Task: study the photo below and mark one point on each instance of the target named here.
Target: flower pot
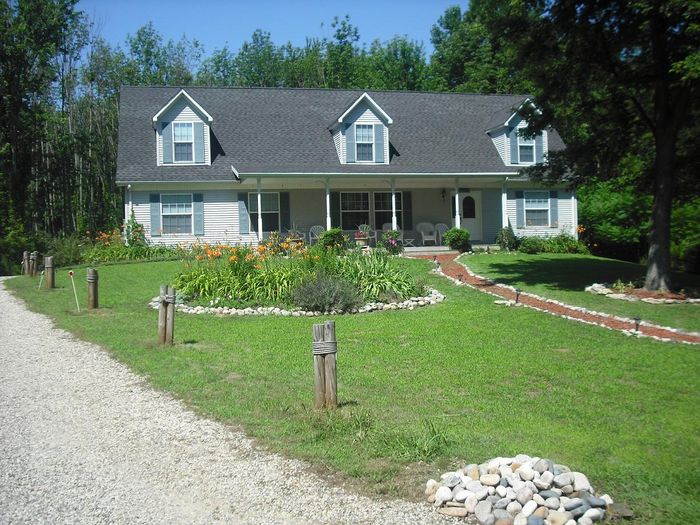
(361, 241)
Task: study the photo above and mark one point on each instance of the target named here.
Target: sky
(216, 23)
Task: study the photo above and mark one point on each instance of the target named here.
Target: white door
(470, 210)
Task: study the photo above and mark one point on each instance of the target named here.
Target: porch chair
(441, 228)
(386, 227)
(315, 233)
(369, 232)
(427, 232)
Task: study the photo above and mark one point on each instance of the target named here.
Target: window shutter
(167, 136)
(198, 213)
(554, 209)
(519, 209)
(335, 209)
(243, 218)
(539, 152)
(513, 138)
(285, 215)
(379, 143)
(350, 144)
(156, 228)
(199, 142)
(407, 210)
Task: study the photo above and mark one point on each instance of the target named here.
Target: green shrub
(376, 276)
(531, 245)
(564, 243)
(324, 293)
(67, 250)
(458, 239)
(506, 239)
(391, 242)
(334, 239)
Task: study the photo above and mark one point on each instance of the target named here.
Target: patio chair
(369, 232)
(386, 227)
(441, 228)
(427, 232)
(315, 233)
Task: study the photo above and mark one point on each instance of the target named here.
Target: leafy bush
(325, 293)
(334, 239)
(531, 245)
(457, 239)
(506, 239)
(685, 236)
(67, 250)
(101, 253)
(391, 242)
(564, 243)
(376, 276)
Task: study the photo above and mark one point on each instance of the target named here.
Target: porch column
(260, 226)
(328, 205)
(574, 214)
(394, 222)
(458, 220)
(504, 203)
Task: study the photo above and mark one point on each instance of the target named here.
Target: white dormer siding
(501, 142)
(338, 142)
(181, 111)
(512, 143)
(362, 114)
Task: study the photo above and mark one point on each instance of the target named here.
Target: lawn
(564, 277)
(421, 391)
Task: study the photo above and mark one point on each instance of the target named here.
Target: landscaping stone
(483, 513)
(558, 518)
(535, 520)
(520, 519)
(538, 499)
(552, 503)
(514, 508)
(442, 495)
(504, 521)
(581, 482)
(461, 495)
(455, 512)
(541, 512)
(566, 478)
(529, 508)
(573, 503)
(490, 480)
(526, 473)
(500, 514)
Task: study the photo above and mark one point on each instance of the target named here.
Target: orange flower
(233, 258)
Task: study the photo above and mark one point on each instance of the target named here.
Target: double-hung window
(354, 209)
(526, 150)
(270, 203)
(183, 141)
(364, 142)
(176, 213)
(536, 208)
(382, 209)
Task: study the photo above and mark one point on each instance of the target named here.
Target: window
(270, 211)
(183, 141)
(526, 150)
(364, 142)
(176, 213)
(382, 209)
(536, 208)
(354, 210)
(468, 207)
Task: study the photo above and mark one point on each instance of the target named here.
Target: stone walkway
(458, 271)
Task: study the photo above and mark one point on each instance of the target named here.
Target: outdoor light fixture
(517, 295)
(637, 321)
(443, 194)
(460, 277)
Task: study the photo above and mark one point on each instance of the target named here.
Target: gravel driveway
(84, 440)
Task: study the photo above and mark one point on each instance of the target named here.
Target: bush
(531, 245)
(564, 243)
(324, 293)
(458, 239)
(506, 239)
(391, 242)
(67, 250)
(334, 239)
(376, 276)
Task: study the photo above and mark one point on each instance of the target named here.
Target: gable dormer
(361, 133)
(514, 148)
(182, 129)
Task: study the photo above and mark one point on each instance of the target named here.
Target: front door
(471, 214)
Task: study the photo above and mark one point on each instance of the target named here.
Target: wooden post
(32, 263)
(170, 319)
(162, 314)
(324, 348)
(25, 262)
(92, 280)
(50, 276)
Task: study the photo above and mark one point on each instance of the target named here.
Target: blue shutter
(243, 218)
(407, 210)
(167, 135)
(198, 213)
(199, 142)
(513, 138)
(335, 209)
(554, 209)
(539, 151)
(379, 143)
(519, 209)
(350, 143)
(154, 199)
(285, 215)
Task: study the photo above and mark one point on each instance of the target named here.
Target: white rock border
(603, 289)
(433, 297)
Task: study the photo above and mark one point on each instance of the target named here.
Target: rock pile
(522, 490)
(602, 289)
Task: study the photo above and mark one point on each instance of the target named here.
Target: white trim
(574, 214)
(374, 153)
(504, 204)
(250, 211)
(395, 209)
(372, 103)
(369, 207)
(191, 214)
(190, 99)
(526, 142)
(191, 124)
(517, 111)
(549, 209)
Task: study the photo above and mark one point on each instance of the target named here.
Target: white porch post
(504, 203)
(260, 226)
(328, 205)
(574, 214)
(458, 220)
(394, 222)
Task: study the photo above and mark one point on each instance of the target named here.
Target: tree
(619, 80)
(397, 64)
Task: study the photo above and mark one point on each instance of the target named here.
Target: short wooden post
(162, 314)
(25, 262)
(50, 275)
(166, 315)
(170, 321)
(324, 349)
(92, 281)
(32, 263)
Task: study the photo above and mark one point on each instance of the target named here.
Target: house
(233, 164)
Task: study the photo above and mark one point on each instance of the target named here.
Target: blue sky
(217, 22)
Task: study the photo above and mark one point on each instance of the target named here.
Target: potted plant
(361, 238)
(294, 236)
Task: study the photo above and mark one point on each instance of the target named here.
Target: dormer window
(526, 150)
(183, 141)
(364, 141)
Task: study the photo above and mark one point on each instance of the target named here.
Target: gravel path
(84, 440)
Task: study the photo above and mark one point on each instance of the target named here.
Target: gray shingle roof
(269, 130)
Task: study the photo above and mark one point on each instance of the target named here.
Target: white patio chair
(427, 232)
(441, 228)
(315, 233)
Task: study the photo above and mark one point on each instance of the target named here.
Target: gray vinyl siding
(182, 112)
(363, 114)
(566, 216)
(491, 214)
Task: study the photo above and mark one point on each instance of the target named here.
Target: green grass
(564, 277)
(421, 391)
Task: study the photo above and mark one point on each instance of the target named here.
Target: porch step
(429, 250)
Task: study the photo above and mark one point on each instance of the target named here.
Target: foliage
(458, 239)
(391, 242)
(67, 250)
(685, 236)
(375, 275)
(134, 232)
(109, 246)
(564, 243)
(325, 293)
(531, 245)
(334, 239)
(506, 239)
